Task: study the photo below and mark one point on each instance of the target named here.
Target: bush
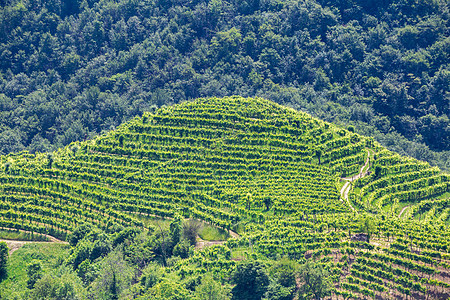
(251, 281)
(3, 259)
(190, 231)
(182, 249)
(34, 272)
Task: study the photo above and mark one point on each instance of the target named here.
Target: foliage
(182, 249)
(284, 271)
(276, 291)
(251, 280)
(314, 281)
(78, 234)
(167, 289)
(190, 231)
(65, 285)
(175, 229)
(367, 226)
(3, 259)
(150, 276)
(34, 272)
(71, 70)
(93, 245)
(50, 256)
(209, 289)
(112, 276)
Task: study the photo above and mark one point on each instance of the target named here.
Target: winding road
(401, 212)
(347, 186)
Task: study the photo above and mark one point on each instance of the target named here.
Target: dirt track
(14, 245)
(403, 210)
(202, 243)
(347, 186)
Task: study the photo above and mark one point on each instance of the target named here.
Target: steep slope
(247, 161)
(216, 160)
(220, 160)
(70, 68)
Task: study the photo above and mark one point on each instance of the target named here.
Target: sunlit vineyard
(273, 174)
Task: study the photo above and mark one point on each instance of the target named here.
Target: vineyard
(270, 173)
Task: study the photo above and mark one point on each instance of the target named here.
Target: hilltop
(71, 69)
(287, 183)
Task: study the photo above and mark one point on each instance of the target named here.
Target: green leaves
(3, 259)
(314, 281)
(251, 281)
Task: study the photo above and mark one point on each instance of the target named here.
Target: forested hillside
(72, 69)
(293, 196)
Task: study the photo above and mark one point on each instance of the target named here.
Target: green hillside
(73, 68)
(287, 183)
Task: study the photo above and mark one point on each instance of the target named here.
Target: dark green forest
(70, 69)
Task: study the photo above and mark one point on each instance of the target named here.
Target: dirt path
(202, 243)
(344, 193)
(361, 173)
(234, 234)
(345, 190)
(404, 208)
(14, 245)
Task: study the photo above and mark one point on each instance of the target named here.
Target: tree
(275, 291)
(3, 259)
(100, 243)
(78, 234)
(113, 289)
(168, 289)
(151, 275)
(284, 272)
(251, 281)
(93, 245)
(209, 289)
(267, 202)
(113, 276)
(319, 153)
(121, 138)
(182, 249)
(377, 171)
(128, 233)
(248, 200)
(160, 244)
(60, 284)
(190, 231)
(367, 226)
(175, 229)
(49, 160)
(315, 282)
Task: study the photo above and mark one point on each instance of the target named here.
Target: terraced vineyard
(249, 165)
